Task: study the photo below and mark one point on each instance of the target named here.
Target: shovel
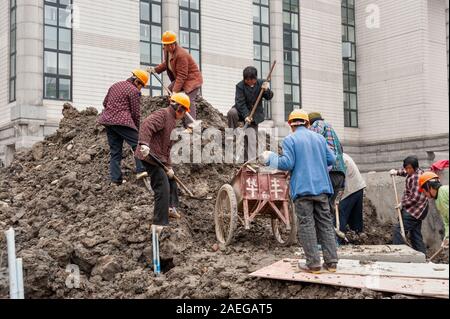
(338, 225)
(179, 182)
(441, 249)
(400, 219)
(194, 123)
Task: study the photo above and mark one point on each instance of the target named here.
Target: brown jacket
(155, 133)
(186, 75)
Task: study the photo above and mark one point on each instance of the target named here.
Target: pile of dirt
(69, 220)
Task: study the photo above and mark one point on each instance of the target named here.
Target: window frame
(267, 105)
(58, 51)
(153, 84)
(348, 7)
(189, 29)
(12, 78)
(289, 106)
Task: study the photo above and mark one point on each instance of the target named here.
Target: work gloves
(248, 120)
(170, 173)
(151, 69)
(398, 206)
(264, 157)
(393, 172)
(145, 150)
(265, 86)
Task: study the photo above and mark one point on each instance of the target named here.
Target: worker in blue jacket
(307, 157)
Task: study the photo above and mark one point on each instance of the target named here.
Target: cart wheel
(225, 214)
(282, 235)
(147, 184)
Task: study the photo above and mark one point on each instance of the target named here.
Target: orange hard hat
(298, 114)
(182, 99)
(425, 177)
(169, 37)
(141, 75)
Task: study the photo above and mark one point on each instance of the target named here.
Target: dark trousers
(250, 148)
(165, 193)
(316, 226)
(351, 212)
(116, 135)
(413, 230)
(338, 183)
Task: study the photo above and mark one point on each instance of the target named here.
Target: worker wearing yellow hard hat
(121, 117)
(182, 70)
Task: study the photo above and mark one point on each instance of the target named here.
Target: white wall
(395, 61)
(4, 62)
(227, 48)
(321, 60)
(105, 50)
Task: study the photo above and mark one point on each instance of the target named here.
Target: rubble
(66, 215)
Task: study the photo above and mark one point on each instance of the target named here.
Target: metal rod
(19, 272)
(13, 288)
(155, 242)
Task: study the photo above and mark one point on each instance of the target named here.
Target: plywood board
(284, 270)
(388, 253)
(411, 270)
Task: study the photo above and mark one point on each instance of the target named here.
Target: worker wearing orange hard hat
(121, 117)
(183, 71)
(430, 185)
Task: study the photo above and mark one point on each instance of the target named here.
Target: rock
(68, 179)
(215, 247)
(84, 158)
(69, 147)
(18, 197)
(54, 182)
(70, 135)
(107, 267)
(38, 151)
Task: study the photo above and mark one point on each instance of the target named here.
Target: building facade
(377, 70)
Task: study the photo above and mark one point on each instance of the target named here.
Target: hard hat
(425, 177)
(182, 99)
(141, 75)
(314, 116)
(169, 37)
(298, 114)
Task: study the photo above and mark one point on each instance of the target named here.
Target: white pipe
(13, 289)
(19, 272)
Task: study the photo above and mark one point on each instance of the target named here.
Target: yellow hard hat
(298, 114)
(182, 99)
(169, 37)
(141, 75)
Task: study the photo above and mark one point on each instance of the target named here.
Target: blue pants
(116, 135)
(351, 212)
(413, 228)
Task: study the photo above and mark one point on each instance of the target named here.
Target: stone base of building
(385, 155)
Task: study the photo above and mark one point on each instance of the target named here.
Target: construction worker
(351, 204)
(307, 157)
(430, 185)
(337, 172)
(183, 71)
(121, 117)
(247, 92)
(154, 141)
(414, 204)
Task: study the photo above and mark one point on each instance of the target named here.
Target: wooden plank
(283, 270)
(356, 267)
(387, 253)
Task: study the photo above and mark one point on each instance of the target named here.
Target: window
(12, 50)
(349, 64)
(189, 37)
(261, 43)
(291, 44)
(151, 47)
(58, 50)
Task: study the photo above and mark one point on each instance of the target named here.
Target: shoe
(330, 267)
(311, 270)
(141, 175)
(174, 214)
(118, 183)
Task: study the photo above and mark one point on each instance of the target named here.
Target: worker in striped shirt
(414, 205)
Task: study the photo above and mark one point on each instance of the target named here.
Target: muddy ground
(66, 215)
